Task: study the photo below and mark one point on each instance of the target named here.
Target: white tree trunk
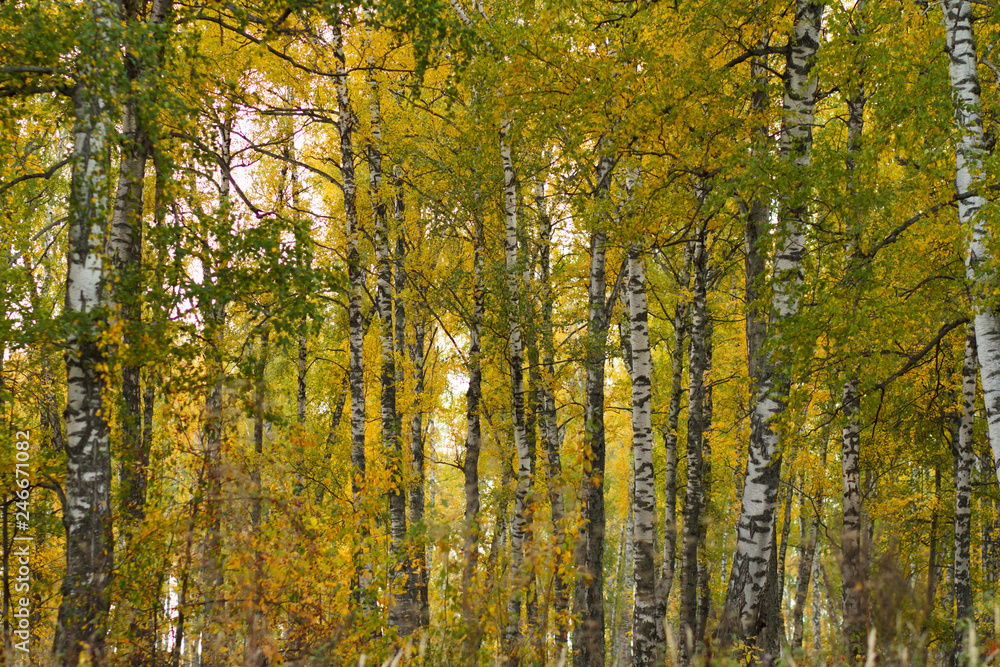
(670, 437)
(521, 525)
(965, 456)
(756, 525)
(644, 616)
(89, 544)
(960, 44)
(355, 277)
(588, 633)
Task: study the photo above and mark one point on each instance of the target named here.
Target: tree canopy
(520, 333)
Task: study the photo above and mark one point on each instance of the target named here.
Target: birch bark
(256, 649)
(213, 615)
(704, 561)
(965, 456)
(402, 613)
(694, 498)
(520, 531)
(588, 635)
(548, 423)
(756, 525)
(807, 541)
(418, 576)
(960, 45)
(125, 251)
(355, 277)
(670, 436)
(644, 616)
(87, 518)
(473, 447)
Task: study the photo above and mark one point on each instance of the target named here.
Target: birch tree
(402, 613)
(89, 544)
(355, 277)
(964, 457)
(588, 634)
(548, 418)
(681, 326)
(960, 45)
(694, 499)
(473, 444)
(755, 528)
(851, 566)
(520, 532)
(125, 250)
(645, 634)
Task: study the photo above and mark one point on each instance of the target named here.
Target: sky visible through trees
(474, 332)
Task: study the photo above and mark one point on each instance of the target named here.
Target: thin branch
(757, 53)
(914, 358)
(44, 174)
(914, 219)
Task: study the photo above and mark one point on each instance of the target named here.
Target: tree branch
(44, 174)
(914, 358)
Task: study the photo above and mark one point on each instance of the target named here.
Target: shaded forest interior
(480, 332)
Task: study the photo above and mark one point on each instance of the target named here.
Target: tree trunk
(473, 446)
(704, 570)
(214, 612)
(89, 541)
(965, 456)
(402, 614)
(775, 634)
(419, 574)
(302, 366)
(548, 423)
(770, 381)
(736, 613)
(807, 547)
(670, 438)
(991, 522)
(520, 530)
(588, 635)
(694, 498)
(960, 44)
(256, 651)
(417, 581)
(853, 579)
(645, 636)
(817, 607)
(536, 637)
(851, 567)
(932, 556)
(125, 250)
(355, 278)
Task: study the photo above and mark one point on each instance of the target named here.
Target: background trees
(633, 290)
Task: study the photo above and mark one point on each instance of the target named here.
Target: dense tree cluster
(519, 333)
